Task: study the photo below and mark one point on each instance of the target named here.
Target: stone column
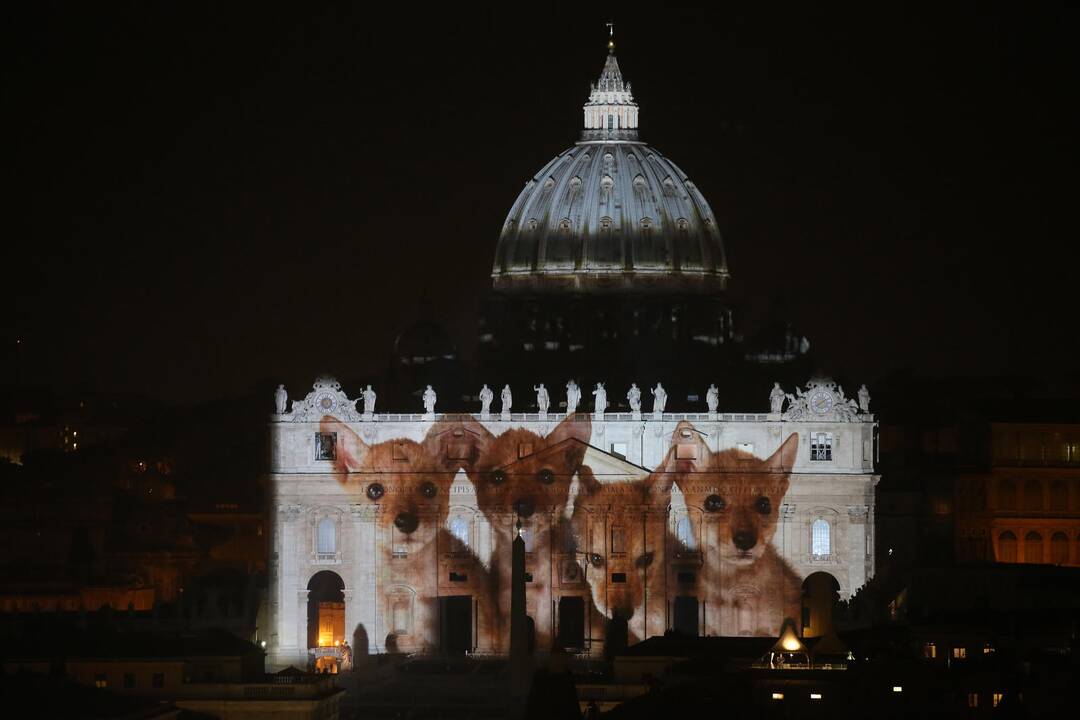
(290, 642)
(856, 547)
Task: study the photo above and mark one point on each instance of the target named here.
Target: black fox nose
(744, 540)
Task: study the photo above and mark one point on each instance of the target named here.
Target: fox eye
(645, 560)
(375, 491)
(546, 476)
(498, 477)
(428, 489)
(596, 559)
(763, 505)
(714, 503)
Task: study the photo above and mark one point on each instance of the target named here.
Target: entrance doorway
(325, 620)
(686, 615)
(456, 621)
(572, 622)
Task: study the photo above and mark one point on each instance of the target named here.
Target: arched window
(1059, 548)
(1007, 547)
(684, 531)
(1033, 495)
(327, 544)
(1006, 492)
(1033, 547)
(459, 528)
(820, 540)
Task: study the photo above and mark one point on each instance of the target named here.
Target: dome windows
(682, 224)
(605, 223)
(549, 183)
(646, 223)
(639, 182)
(606, 183)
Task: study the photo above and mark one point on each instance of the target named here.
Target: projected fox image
(523, 477)
(407, 484)
(730, 507)
(687, 546)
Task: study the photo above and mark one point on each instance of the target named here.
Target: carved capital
(857, 513)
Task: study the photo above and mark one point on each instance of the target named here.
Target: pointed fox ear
(352, 452)
(783, 460)
(572, 428)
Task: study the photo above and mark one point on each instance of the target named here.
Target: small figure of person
(712, 398)
(281, 398)
(369, 400)
(864, 399)
(776, 398)
(600, 403)
(486, 396)
(429, 401)
(573, 397)
(634, 397)
(507, 400)
(543, 400)
(659, 399)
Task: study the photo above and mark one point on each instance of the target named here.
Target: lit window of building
(820, 540)
(778, 696)
(959, 653)
(929, 651)
(327, 539)
(101, 681)
(821, 446)
(973, 700)
(459, 528)
(997, 698)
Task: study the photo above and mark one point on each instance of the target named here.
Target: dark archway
(326, 610)
(820, 593)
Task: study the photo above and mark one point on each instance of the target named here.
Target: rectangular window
(158, 680)
(618, 577)
(929, 651)
(458, 577)
(997, 698)
(686, 451)
(528, 577)
(959, 653)
(325, 446)
(973, 700)
(687, 578)
(129, 680)
(101, 681)
(821, 446)
(618, 540)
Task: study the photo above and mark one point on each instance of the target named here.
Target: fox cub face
(742, 492)
(525, 473)
(409, 482)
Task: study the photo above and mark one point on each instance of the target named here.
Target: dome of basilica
(610, 214)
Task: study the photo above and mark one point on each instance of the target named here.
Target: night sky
(208, 196)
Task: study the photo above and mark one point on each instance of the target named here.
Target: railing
(581, 416)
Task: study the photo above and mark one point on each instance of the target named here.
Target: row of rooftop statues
(777, 398)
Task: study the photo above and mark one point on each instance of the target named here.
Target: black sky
(209, 195)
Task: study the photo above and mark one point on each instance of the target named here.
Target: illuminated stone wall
(703, 522)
